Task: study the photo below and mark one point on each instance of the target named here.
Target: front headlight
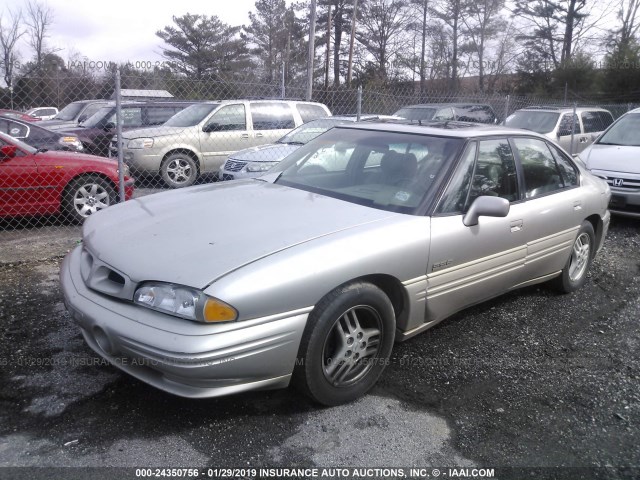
(125, 170)
(260, 166)
(71, 141)
(140, 143)
(184, 302)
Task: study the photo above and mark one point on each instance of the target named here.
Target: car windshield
(416, 113)
(625, 131)
(388, 171)
(69, 112)
(310, 130)
(540, 122)
(191, 116)
(95, 119)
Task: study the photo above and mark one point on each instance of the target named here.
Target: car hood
(66, 158)
(196, 235)
(273, 152)
(58, 124)
(613, 158)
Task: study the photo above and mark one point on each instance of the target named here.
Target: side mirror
(8, 151)
(212, 127)
(486, 206)
(81, 119)
(109, 126)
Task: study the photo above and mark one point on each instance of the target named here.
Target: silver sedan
(368, 234)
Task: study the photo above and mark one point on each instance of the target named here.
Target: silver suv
(198, 139)
(559, 123)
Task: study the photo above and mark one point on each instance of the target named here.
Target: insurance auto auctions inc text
(376, 472)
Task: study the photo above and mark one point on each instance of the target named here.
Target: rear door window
(539, 167)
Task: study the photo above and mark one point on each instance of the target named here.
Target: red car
(36, 182)
(25, 117)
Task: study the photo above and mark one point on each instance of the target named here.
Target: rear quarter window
(596, 121)
(310, 112)
(159, 115)
(272, 116)
(476, 114)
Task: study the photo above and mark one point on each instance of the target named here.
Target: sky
(123, 30)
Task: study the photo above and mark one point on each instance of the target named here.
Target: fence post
(119, 135)
(506, 110)
(359, 103)
(283, 91)
(573, 128)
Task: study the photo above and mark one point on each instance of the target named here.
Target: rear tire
(346, 344)
(179, 170)
(574, 273)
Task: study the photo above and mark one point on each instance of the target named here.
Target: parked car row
(182, 140)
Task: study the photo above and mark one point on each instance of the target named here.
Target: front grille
(234, 165)
(629, 183)
(102, 278)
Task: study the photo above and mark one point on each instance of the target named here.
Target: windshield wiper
(42, 150)
(293, 143)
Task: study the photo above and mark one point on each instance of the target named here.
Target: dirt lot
(532, 379)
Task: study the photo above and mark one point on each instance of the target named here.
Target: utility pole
(352, 40)
(422, 52)
(312, 48)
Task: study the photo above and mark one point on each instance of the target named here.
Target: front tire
(179, 170)
(574, 273)
(87, 195)
(346, 344)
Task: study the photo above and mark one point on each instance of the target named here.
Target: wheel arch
(393, 289)
(598, 225)
(184, 151)
(87, 174)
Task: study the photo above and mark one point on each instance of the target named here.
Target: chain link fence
(169, 132)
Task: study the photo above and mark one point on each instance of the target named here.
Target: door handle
(259, 135)
(577, 205)
(516, 225)
(245, 135)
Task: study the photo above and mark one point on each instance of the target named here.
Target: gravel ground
(531, 379)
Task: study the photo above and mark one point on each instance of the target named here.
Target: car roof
(440, 105)
(454, 129)
(563, 109)
(232, 100)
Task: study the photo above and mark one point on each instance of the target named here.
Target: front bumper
(625, 192)
(179, 356)
(224, 174)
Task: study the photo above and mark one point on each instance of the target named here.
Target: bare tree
(482, 23)
(451, 12)
(381, 31)
(10, 33)
(38, 19)
(628, 16)
(555, 29)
